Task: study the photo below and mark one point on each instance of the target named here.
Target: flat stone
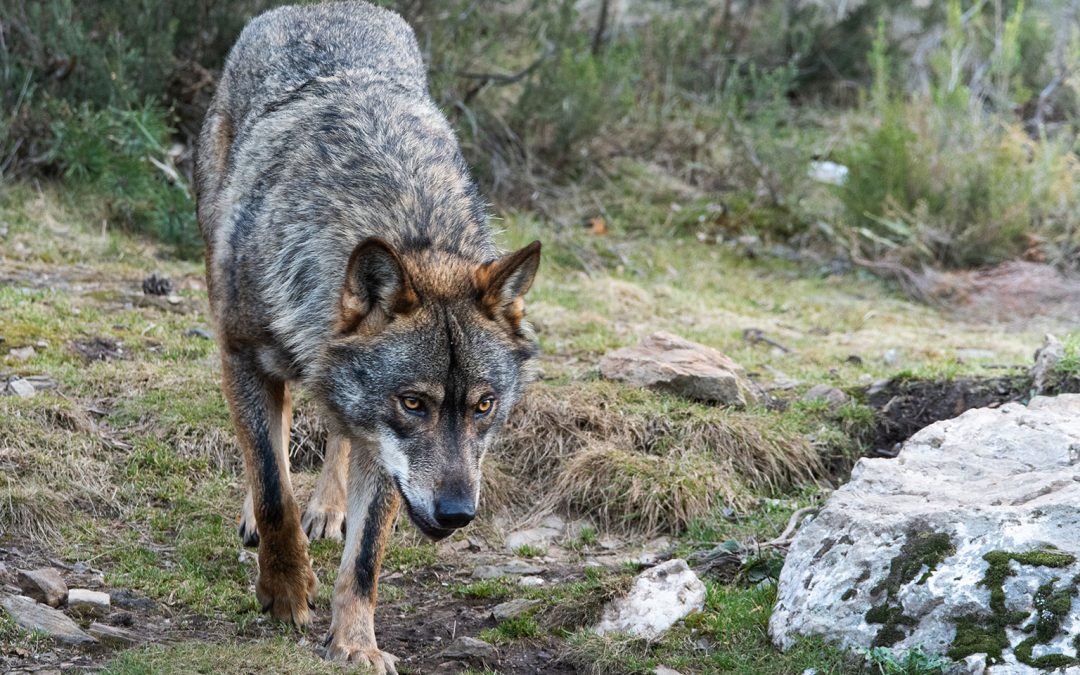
(531, 581)
(669, 363)
(31, 615)
(22, 353)
(1047, 358)
(899, 554)
(115, 636)
(823, 392)
(664, 670)
(21, 388)
(659, 598)
(43, 585)
(512, 568)
(469, 649)
(512, 609)
(84, 602)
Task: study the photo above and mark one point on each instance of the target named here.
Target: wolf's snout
(454, 512)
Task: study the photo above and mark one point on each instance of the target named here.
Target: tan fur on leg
(325, 515)
(373, 505)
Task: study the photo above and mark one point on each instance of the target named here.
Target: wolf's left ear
(503, 282)
(376, 285)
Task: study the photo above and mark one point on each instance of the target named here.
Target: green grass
(131, 465)
(277, 655)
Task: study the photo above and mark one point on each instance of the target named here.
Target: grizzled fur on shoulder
(323, 134)
(348, 251)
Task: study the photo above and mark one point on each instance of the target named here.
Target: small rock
(32, 615)
(514, 567)
(114, 636)
(1047, 358)
(974, 354)
(531, 581)
(22, 353)
(44, 585)
(670, 363)
(128, 600)
(827, 172)
(659, 597)
(890, 357)
(21, 388)
(468, 648)
(174, 299)
(199, 332)
(664, 670)
(84, 602)
(540, 537)
(157, 285)
(823, 392)
(512, 609)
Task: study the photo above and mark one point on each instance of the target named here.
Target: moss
(848, 594)
(977, 634)
(920, 550)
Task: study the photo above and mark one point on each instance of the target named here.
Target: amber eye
(484, 406)
(412, 405)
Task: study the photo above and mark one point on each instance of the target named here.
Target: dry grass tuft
(639, 461)
(626, 490)
(28, 510)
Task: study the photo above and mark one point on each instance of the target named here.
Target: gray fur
(347, 250)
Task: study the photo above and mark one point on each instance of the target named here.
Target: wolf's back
(282, 50)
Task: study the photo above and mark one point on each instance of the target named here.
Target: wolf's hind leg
(262, 413)
(325, 515)
(373, 504)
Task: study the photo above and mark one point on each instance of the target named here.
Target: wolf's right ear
(376, 285)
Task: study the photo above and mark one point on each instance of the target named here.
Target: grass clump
(276, 655)
(604, 449)
(884, 661)
(124, 154)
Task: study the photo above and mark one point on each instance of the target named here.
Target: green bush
(945, 177)
(124, 157)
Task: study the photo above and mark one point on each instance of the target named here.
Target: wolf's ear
(376, 284)
(503, 282)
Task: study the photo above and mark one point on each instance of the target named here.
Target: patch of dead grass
(639, 461)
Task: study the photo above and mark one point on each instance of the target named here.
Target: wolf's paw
(287, 589)
(319, 523)
(378, 661)
(249, 533)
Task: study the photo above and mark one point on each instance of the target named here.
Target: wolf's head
(431, 352)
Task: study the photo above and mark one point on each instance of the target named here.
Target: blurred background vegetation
(891, 135)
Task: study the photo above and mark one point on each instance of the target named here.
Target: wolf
(348, 252)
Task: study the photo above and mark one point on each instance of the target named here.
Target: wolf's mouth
(426, 527)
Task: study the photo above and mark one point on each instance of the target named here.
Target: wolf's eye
(412, 405)
(484, 406)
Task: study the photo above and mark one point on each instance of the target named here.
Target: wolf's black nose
(454, 513)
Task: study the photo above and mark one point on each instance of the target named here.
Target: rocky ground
(765, 381)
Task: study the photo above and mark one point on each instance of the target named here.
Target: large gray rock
(659, 597)
(34, 616)
(44, 585)
(966, 544)
(669, 363)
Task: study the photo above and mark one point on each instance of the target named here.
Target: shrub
(124, 155)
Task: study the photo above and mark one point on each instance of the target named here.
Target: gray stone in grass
(669, 363)
(659, 598)
(898, 555)
(84, 602)
(469, 649)
(43, 585)
(34, 616)
(511, 609)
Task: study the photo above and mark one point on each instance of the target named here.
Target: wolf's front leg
(262, 413)
(373, 504)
